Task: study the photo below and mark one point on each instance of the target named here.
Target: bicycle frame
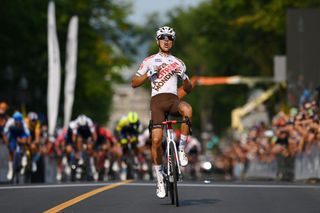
(170, 140)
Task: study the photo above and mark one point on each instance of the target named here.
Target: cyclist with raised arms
(163, 70)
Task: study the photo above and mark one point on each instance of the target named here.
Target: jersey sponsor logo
(158, 60)
(165, 74)
(167, 69)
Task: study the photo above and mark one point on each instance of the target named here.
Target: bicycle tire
(169, 184)
(175, 174)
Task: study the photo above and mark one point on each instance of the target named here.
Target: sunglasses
(163, 37)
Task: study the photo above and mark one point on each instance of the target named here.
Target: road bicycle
(171, 165)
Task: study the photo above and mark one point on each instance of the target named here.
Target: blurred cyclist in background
(84, 135)
(16, 135)
(127, 128)
(34, 126)
(127, 131)
(106, 152)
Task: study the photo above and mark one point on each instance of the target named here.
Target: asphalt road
(140, 197)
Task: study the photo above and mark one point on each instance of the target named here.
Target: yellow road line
(84, 196)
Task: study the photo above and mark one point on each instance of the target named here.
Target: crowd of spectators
(290, 134)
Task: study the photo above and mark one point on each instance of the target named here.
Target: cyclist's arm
(187, 86)
(138, 80)
(141, 75)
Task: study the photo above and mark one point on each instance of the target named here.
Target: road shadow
(195, 202)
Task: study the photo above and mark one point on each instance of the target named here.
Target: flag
(53, 92)
(71, 69)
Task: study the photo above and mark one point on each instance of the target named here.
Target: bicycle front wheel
(174, 171)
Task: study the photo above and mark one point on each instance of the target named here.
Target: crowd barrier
(302, 167)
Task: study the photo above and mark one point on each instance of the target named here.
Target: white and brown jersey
(166, 65)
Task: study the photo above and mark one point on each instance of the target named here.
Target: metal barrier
(307, 165)
(300, 167)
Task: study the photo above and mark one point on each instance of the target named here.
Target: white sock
(10, 165)
(158, 169)
(183, 141)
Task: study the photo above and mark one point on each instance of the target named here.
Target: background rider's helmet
(133, 117)
(32, 116)
(165, 30)
(17, 116)
(82, 120)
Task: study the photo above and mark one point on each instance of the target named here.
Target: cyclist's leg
(11, 148)
(156, 148)
(160, 104)
(185, 110)
(157, 154)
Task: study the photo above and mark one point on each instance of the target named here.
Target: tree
(103, 45)
(225, 38)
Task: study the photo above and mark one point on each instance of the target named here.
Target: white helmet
(33, 116)
(165, 30)
(82, 120)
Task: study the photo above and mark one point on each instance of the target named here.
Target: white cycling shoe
(183, 158)
(161, 192)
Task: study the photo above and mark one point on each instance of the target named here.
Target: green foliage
(225, 38)
(102, 45)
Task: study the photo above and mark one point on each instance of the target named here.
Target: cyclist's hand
(152, 73)
(181, 73)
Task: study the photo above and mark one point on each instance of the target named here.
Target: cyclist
(163, 70)
(105, 151)
(127, 131)
(34, 126)
(16, 133)
(128, 128)
(84, 135)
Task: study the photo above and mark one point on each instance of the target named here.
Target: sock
(183, 141)
(158, 169)
(10, 165)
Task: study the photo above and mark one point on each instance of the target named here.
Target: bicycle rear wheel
(174, 168)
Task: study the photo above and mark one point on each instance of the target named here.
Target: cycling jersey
(125, 129)
(34, 127)
(13, 132)
(85, 131)
(166, 65)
